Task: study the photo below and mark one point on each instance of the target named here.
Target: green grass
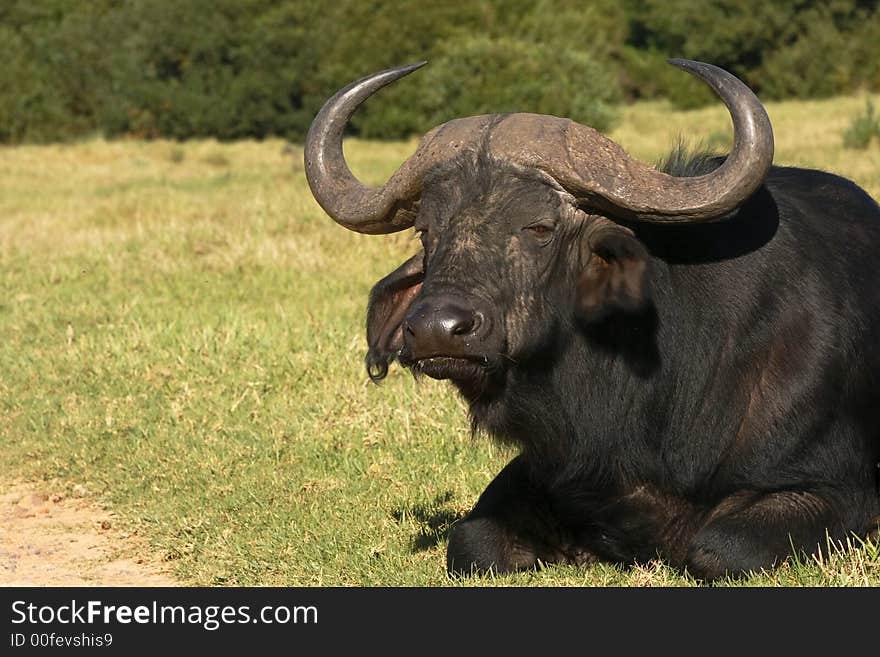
(182, 333)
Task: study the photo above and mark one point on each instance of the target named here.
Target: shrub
(481, 75)
(252, 68)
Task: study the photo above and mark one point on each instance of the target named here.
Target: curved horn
(391, 207)
(344, 197)
(641, 192)
(588, 165)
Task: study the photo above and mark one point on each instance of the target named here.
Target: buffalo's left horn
(598, 170)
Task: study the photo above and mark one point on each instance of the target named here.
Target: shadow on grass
(433, 521)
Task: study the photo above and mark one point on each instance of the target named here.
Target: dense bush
(781, 48)
(481, 75)
(252, 68)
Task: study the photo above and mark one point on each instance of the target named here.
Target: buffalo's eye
(542, 231)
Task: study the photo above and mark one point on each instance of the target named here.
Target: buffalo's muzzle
(444, 327)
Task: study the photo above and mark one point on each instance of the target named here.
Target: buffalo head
(522, 219)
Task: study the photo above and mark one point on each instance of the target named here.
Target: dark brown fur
(706, 394)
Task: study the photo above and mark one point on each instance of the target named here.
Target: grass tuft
(863, 128)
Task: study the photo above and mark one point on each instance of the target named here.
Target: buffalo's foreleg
(511, 528)
(749, 532)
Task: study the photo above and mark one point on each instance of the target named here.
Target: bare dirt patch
(49, 538)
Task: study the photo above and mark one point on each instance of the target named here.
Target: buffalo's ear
(390, 300)
(614, 277)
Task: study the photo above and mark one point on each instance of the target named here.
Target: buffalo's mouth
(448, 367)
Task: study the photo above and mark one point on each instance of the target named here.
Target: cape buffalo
(686, 359)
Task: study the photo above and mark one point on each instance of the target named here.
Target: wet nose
(440, 328)
(453, 320)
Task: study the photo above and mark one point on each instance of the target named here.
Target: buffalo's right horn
(363, 209)
(391, 207)
(601, 173)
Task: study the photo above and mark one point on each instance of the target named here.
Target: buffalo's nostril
(463, 328)
(453, 320)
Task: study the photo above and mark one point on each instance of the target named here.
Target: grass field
(182, 335)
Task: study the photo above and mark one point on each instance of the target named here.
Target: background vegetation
(233, 69)
(182, 336)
